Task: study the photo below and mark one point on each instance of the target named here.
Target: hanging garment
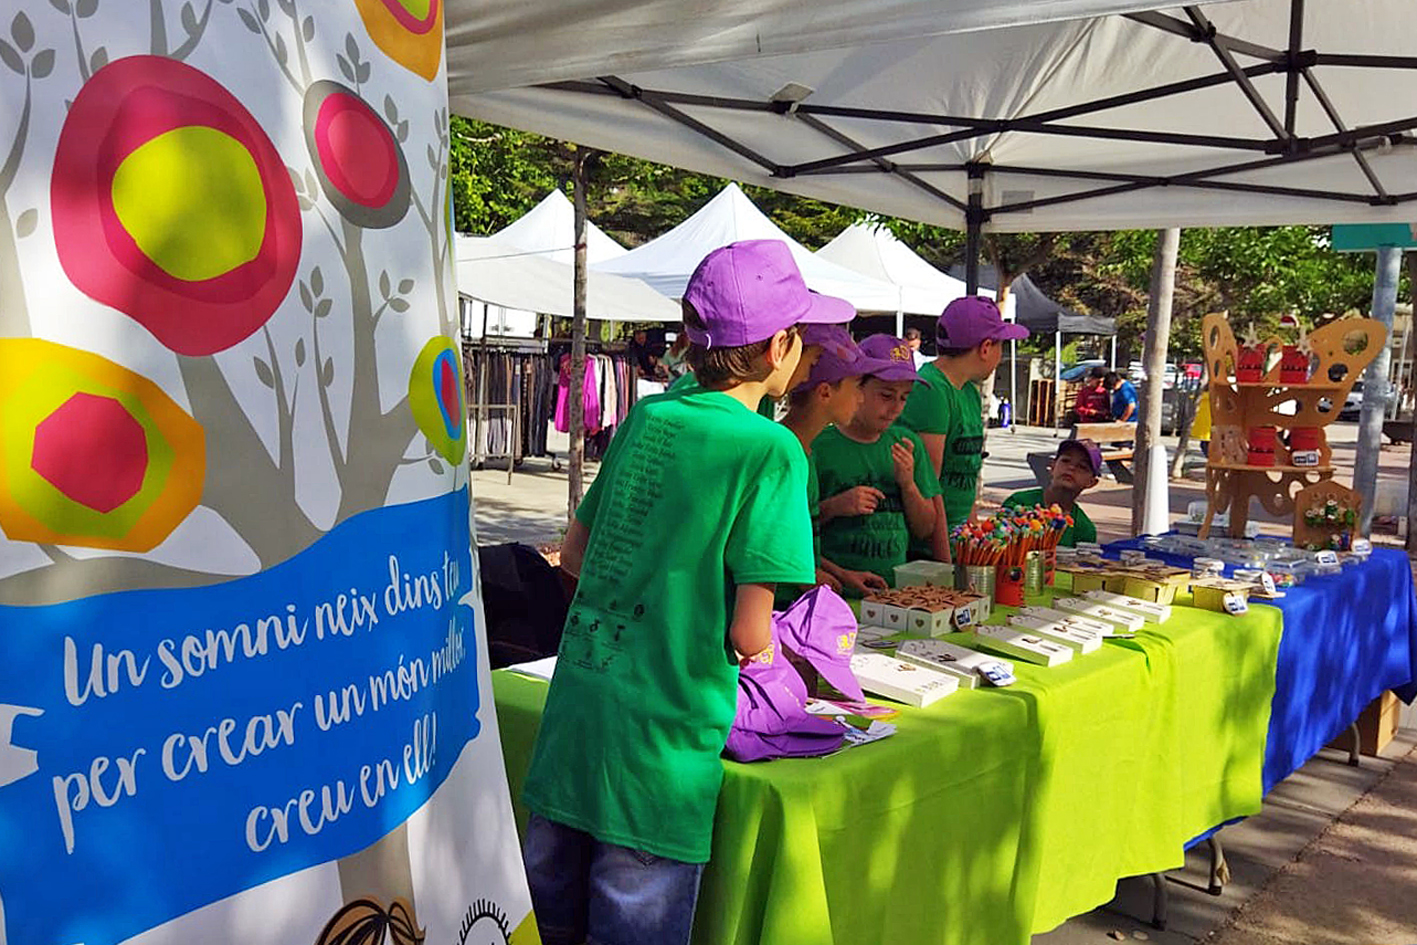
(591, 401)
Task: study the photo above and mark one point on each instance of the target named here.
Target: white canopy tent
(873, 250)
(1247, 112)
(492, 270)
(667, 262)
(549, 229)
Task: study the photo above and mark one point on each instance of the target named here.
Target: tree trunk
(1158, 334)
(577, 389)
(1375, 385)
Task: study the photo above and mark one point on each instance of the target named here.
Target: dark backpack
(524, 601)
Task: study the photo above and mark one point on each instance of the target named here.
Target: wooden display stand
(1340, 352)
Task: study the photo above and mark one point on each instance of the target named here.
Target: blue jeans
(586, 891)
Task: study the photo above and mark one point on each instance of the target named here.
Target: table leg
(1160, 900)
(1219, 869)
(1354, 755)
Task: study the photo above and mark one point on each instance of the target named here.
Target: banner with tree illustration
(243, 687)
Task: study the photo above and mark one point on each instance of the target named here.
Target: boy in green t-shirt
(874, 472)
(829, 396)
(1076, 468)
(946, 410)
(625, 775)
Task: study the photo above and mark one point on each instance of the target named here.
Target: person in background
(1124, 397)
(946, 409)
(675, 362)
(641, 357)
(1076, 467)
(830, 396)
(626, 770)
(913, 339)
(1094, 403)
(1200, 426)
(874, 473)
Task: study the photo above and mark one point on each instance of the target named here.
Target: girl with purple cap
(876, 474)
(625, 775)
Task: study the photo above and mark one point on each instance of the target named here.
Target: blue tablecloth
(1346, 638)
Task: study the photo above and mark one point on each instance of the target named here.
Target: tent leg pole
(1057, 381)
(1013, 386)
(1114, 352)
(973, 228)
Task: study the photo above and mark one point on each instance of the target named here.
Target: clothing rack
(502, 375)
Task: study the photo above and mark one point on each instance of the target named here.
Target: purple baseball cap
(840, 358)
(971, 319)
(748, 291)
(1094, 454)
(890, 358)
(820, 627)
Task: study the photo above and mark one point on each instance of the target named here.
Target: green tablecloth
(993, 814)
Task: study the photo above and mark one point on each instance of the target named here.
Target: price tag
(1362, 546)
(1235, 604)
(1327, 557)
(1267, 582)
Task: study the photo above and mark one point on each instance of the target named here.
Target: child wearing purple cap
(1075, 469)
(946, 407)
(875, 474)
(625, 774)
(829, 395)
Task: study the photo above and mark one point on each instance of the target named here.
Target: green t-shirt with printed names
(696, 495)
(1081, 529)
(937, 406)
(767, 407)
(787, 594)
(879, 541)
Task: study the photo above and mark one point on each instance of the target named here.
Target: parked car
(1353, 403)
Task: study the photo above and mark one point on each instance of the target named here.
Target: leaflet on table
(1151, 612)
(1028, 647)
(1068, 619)
(1084, 641)
(904, 682)
(537, 669)
(859, 729)
(959, 661)
(1124, 620)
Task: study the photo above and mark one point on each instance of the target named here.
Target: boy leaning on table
(1076, 467)
(696, 514)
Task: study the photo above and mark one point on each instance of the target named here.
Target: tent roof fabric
(874, 251)
(549, 228)
(1219, 114)
(667, 262)
(1034, 310)
(490, 269)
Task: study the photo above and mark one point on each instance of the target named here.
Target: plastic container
(1293, 366)
(1250, 368)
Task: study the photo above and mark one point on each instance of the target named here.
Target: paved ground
(1332, 858)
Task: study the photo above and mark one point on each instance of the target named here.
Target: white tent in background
(549, 229)
(873, 250)
(497, 272)
(667, 262)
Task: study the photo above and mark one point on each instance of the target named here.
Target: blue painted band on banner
(194, 743)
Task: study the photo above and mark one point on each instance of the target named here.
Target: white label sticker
(1267, 581)
(1235, 604)
(1328, 557)
(1362, 546)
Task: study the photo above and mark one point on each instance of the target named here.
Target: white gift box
(948, 658)
(905, 682)
(1028, 647)
(930, 623)
(1151, 612)
(924, 573)
(1067, 618)
(1121, 619)
(871, 614)
(1084, 641)
(895, 619)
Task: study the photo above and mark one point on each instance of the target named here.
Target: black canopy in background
(1040, 314)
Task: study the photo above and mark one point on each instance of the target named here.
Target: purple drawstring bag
(772, 721)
